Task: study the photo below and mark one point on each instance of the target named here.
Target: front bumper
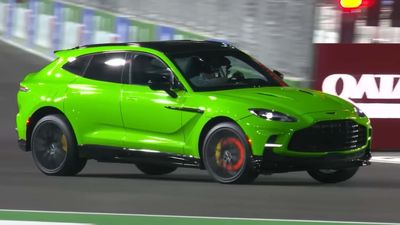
(281, 135)
(271, 162)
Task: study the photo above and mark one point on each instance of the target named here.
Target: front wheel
(226, 154)
(333, 175)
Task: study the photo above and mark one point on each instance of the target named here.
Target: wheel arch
(36, 116)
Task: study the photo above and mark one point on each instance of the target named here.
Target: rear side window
(77, 65)
(106, 67)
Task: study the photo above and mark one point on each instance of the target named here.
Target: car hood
(286, 99)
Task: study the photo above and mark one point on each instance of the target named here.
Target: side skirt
(128, 155)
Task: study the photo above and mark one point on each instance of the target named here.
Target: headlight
(359, 112)
(272, 115)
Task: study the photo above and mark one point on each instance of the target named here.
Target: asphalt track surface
(372, 195)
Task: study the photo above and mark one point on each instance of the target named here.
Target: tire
(54, 147)
(226, 155)
(152, 169)
(333, 176)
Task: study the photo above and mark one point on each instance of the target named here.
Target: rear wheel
(226, 154)
(152, 169)
(54, 147)
(333, 175)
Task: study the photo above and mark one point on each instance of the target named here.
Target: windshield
(220, 70)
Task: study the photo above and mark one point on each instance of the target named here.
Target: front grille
(325, 136)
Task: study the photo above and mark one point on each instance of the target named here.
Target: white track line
(13, 222)
(386, 159)
(198, 217)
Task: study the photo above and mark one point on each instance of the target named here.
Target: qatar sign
(368, 75)
(368, 86)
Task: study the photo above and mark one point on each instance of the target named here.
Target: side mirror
(162, 82)
(279, 74)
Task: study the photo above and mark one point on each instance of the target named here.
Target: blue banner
(122, 29)
(32, 22)
(10, 19)
(165, 33)
(88, 22)
(57, 27)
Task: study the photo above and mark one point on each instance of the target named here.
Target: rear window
(77, 65)
(106, 67)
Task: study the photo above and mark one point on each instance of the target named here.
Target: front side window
(106, 67)
(146, 68)
(220, 70)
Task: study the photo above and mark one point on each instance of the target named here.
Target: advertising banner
(165, 33)
(104, 25)
(71, 25)
(180, 35)
(56, 26)
(122, 29)
(88, 25)
(3, 16)
(10, 16)
(141, 31)
(47, 15)
(20, 19)
(33, 7)
(367, 75)
(48, 25)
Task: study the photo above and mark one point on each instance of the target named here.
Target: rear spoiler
(62, 52)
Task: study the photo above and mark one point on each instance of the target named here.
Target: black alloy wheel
(54, 147)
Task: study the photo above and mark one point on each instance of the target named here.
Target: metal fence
(278, 32)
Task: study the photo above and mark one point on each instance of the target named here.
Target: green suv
(200, 104)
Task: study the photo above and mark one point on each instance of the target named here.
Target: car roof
(168, 47)
(182, 46)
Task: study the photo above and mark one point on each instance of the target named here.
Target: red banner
(367, 75)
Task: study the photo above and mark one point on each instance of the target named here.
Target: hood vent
(307, 92)
(266, 94)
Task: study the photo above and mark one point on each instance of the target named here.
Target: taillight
(23, 88)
